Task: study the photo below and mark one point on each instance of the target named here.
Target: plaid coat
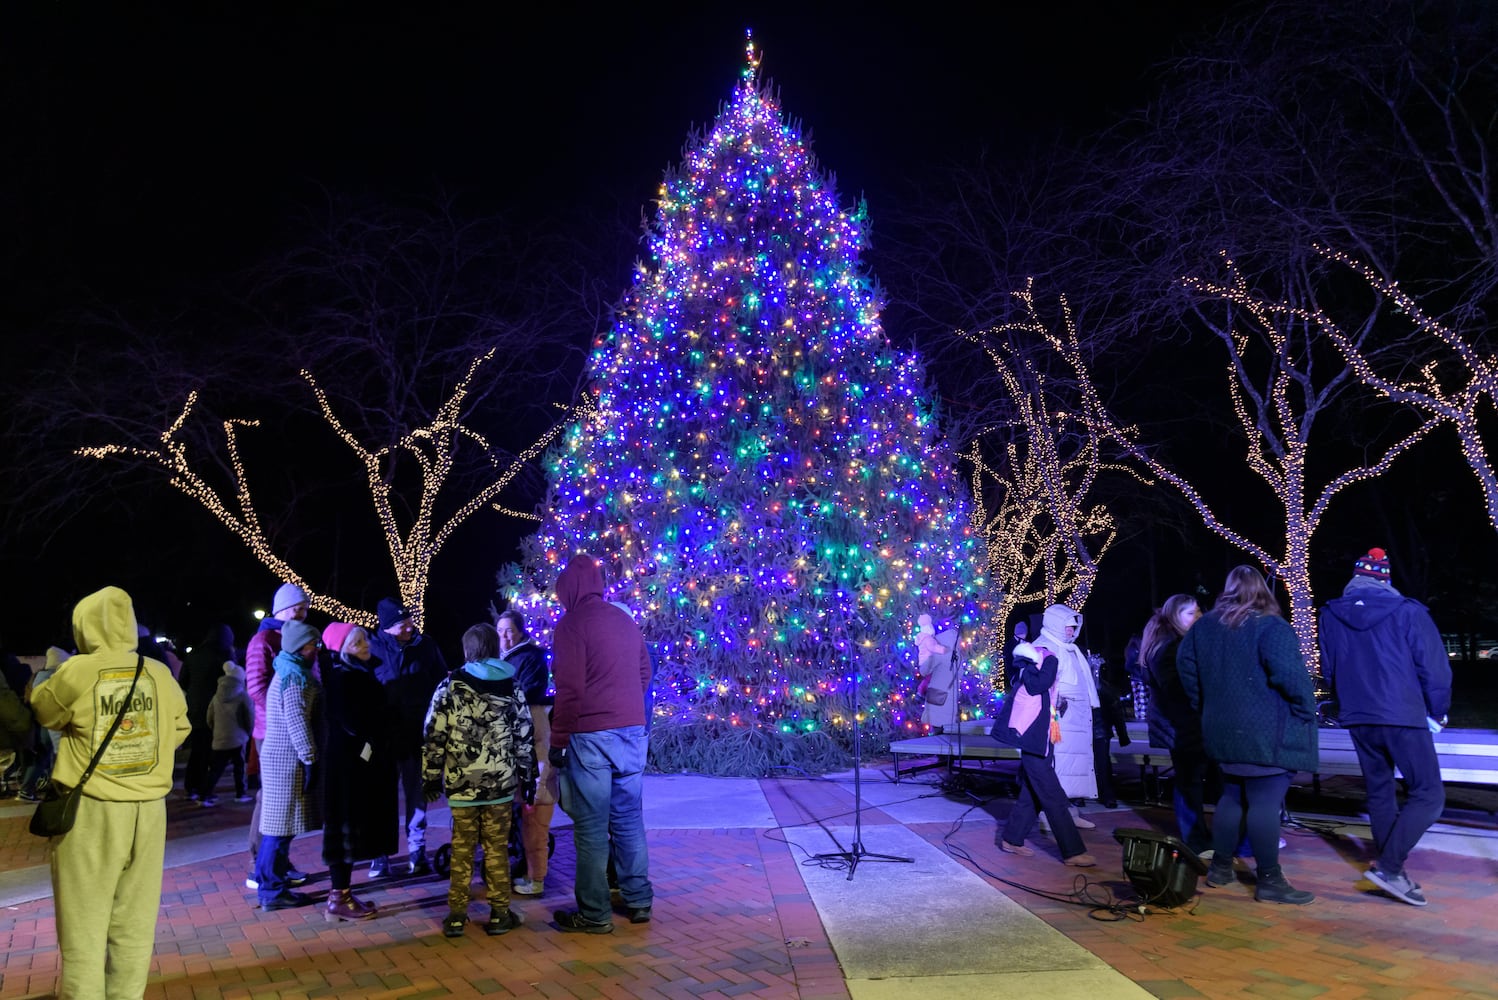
(290, 797)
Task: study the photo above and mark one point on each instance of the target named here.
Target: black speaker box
(1161, 868)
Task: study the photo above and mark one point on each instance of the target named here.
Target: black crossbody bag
(58, 809)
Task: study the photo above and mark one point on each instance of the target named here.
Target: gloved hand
(557, 756)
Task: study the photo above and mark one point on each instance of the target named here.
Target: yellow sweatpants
(106, 892)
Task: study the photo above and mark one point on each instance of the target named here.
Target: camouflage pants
(487, 827)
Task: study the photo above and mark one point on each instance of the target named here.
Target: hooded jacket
(84, 696)
(479, 745)
(600, 665)
(231, 714)
(1383, 657)
(1024, 719)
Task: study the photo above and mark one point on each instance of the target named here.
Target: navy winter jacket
(1383, 657)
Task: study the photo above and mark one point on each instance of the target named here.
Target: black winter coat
(1256, 699)
(1174, 724)
(360, 810)
(410, 674)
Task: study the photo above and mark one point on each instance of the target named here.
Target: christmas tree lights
(762, 478)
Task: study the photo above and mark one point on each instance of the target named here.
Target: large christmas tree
(763, 481)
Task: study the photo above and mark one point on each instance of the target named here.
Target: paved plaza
(745, 908)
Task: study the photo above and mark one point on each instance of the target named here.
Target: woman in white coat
(1074, 685)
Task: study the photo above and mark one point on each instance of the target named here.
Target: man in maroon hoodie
(601, 669)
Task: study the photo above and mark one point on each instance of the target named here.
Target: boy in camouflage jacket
(479, 751)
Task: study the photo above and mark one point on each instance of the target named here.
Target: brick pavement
(732, 918)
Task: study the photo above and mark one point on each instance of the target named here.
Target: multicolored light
(763, 478)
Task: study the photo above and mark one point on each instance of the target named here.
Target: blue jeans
(271, 865)
(408, 771)
(1397, 830)
(1189, 794)
(601, 790)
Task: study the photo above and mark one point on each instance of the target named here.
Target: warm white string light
(434, 448)
(1275, 417)
(1044, 541)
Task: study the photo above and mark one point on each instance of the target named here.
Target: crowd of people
(1228, 693)
(352, 733)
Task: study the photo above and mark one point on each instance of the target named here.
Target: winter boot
(1274, 889)
(1220, 873)
(343, 906)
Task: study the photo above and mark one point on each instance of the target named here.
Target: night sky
(153, 149)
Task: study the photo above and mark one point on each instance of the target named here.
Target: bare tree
(1282, 384)
(1460, 400)
(1033, 475)
(435, 449)
(439, 344)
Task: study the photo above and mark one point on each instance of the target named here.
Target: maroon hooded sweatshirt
(599, 662)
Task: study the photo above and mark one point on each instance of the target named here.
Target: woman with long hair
(1241, 668)
(1173, 723)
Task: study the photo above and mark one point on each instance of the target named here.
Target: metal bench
(1468, 756)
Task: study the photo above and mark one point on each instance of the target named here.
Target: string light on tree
(1275, 397)
(763, 478)
(1458, 404)
(434, 447)
(1031, 475)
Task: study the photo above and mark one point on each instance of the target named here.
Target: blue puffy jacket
(1383, 657)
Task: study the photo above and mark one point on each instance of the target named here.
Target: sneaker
(207, 803)
(26, 796)
(379, 868)
(244, 798)
(527, 887)
(453, 924)
(1019, 849)
(1080, 861)
(1399, 886)
(294, 877)
(1206, 855)
(250, 882)
(418, 864)
(639, 915)
(502, 923)
(571, 920)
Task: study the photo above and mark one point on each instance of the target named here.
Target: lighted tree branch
(412, 549)
(1457, 403)
(1031, 486)
(1278, 387)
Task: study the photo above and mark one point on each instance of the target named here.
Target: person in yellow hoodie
(106, 870)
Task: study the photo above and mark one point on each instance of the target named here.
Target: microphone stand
(857, 853)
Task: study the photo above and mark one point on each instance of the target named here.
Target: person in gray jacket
(1382, 655)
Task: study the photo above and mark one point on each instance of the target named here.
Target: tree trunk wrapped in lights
(1279, 382)
(763, 479)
